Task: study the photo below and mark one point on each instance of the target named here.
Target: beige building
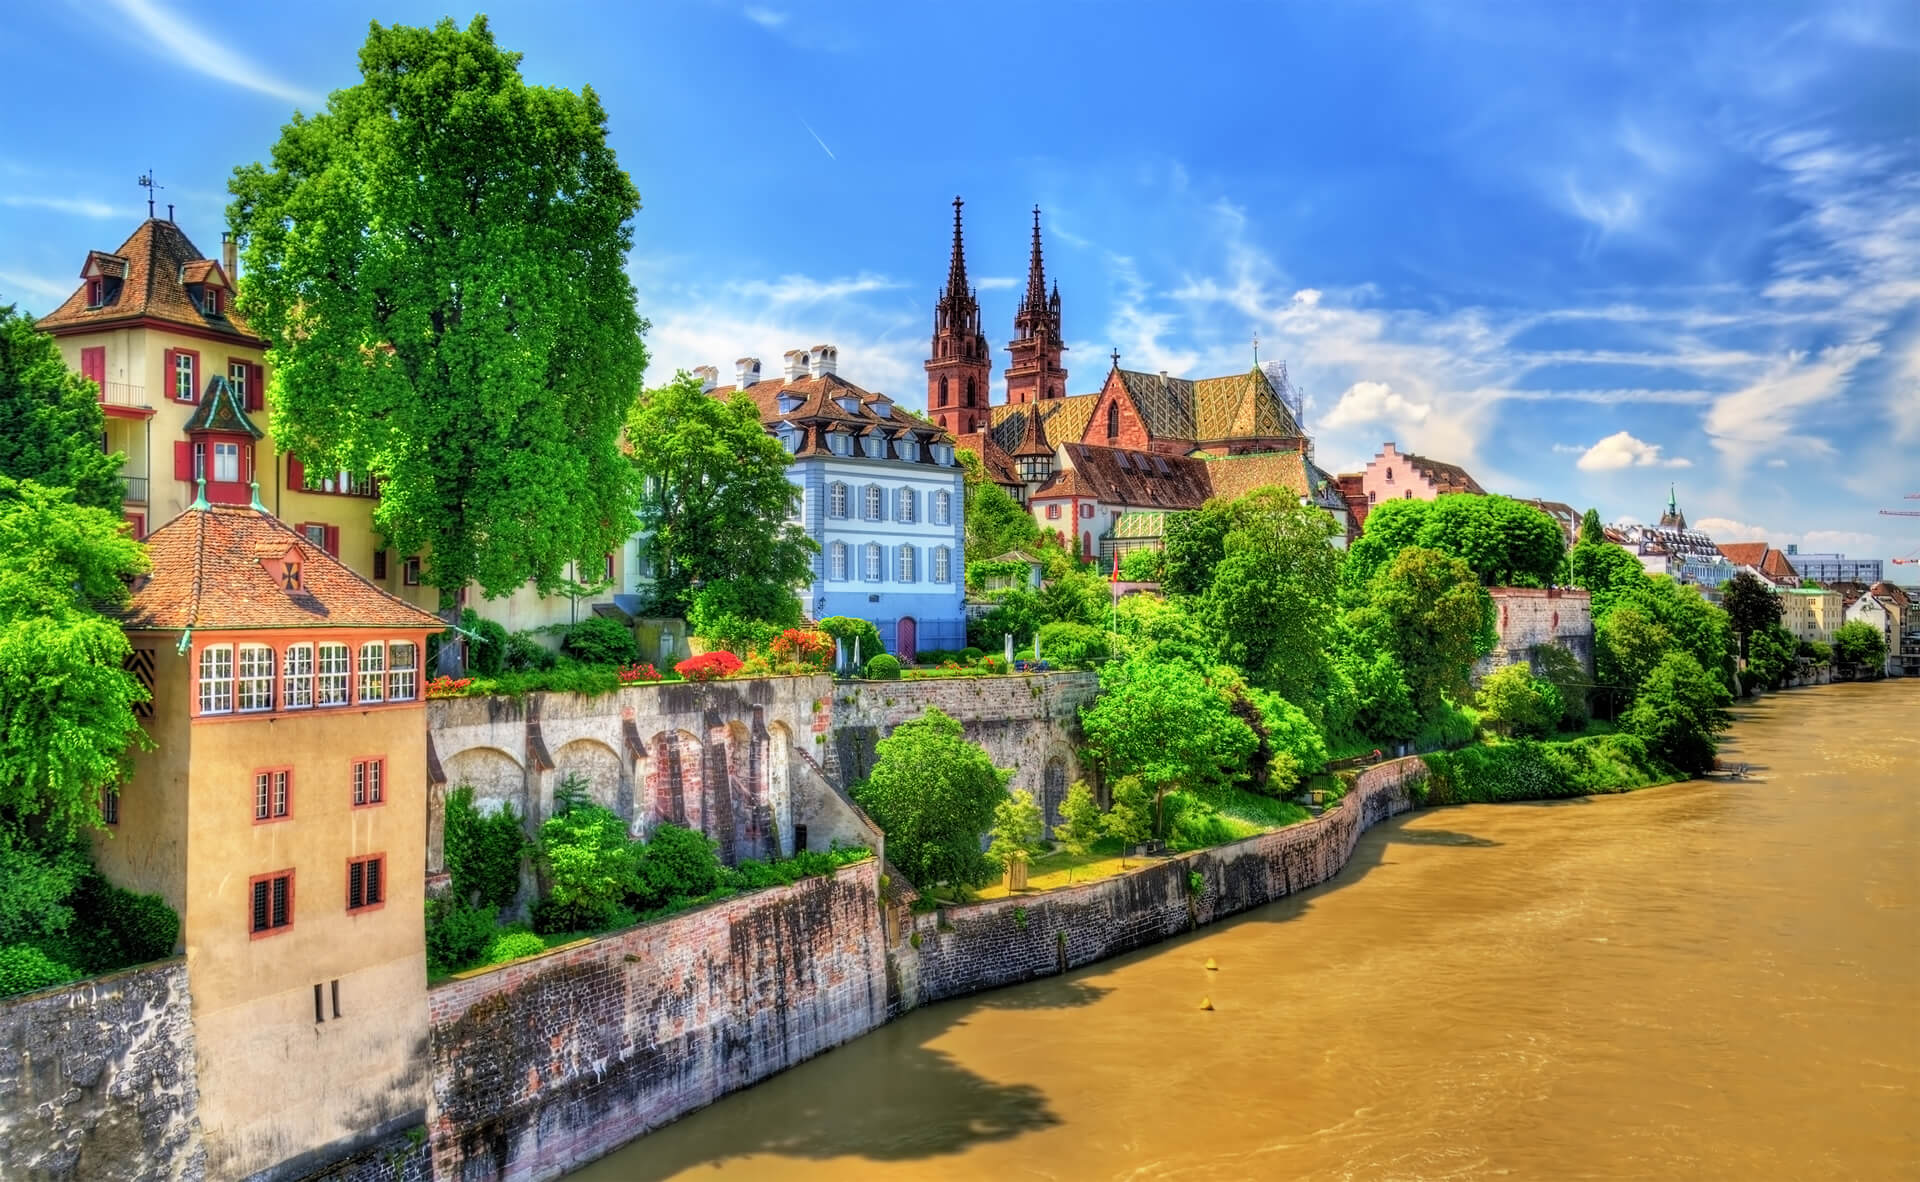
(1811, 614)
(282, 812)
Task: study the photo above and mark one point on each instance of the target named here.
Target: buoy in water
(1206, 1003)
(1212, 967)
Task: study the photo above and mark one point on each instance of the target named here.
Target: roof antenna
(200, 501)
(147, 183)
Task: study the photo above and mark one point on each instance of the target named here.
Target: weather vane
(1256, 348)
(147, 183)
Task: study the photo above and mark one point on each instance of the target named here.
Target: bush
(709, 666)
(566, 677)
(486, 643)
(457, 935)
(138, 928)
(601, 640)
(883, 668)
(1072, 646)
(1529, 770)
(803, 646)
(1515, 702)
(525, 654)
(847, 629)
(1678, 710)
(590, 869)
(1145, 565)
(483, 851)
(994, 664)
(676, 863)
(512, 946)
(970, 655)
(24, 968)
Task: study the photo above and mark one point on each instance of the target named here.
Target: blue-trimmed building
(882, 497)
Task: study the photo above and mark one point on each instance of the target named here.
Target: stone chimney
(823, 360)
(230, 257)
(709, 377)
(746, 372)
(796, 364)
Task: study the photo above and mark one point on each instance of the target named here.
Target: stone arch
(675, 772)
(779, 790)
(1053, 790)
(600, 766)
(497, 778)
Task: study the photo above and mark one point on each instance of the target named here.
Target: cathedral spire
(1036, 269)
(959, 365)
(957, 268)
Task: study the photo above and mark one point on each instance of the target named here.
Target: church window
(1113, 420)
(943, 391)
(970, 392)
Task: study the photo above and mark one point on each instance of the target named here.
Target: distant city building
(1882, 608)
(1761, 560)
(1812, 614)
(1394, 475)
(1834, 568)
(1671, 549)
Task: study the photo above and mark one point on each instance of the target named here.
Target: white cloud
(81, 206)
(1726, 529)
(1307, 297)
(1570, 449)
(802, 289)
(1375, 402)
(39, 285)
(1777, 462)
(1622, 450)
(186, 44)
(997, 283)
(766, 18)
(1853, 543)
(1766, 413)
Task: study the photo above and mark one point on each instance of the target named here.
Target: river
(1708, 980)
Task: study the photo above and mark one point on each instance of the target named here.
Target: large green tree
(1602, 568)
(1429, 611)
(1271, 601)
(1167, 723)
(717, 505)
(66, 701)
(933, 794)
(1678, 710)
(995, 522)
(1751, 606)
(438, 259)
(1504, 542)
(1860, 649)
(51, 423)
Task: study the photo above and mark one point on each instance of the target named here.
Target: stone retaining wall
(545, 1064)
(1530, 618)
(97, 1080)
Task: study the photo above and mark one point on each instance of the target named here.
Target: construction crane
(1914, 556)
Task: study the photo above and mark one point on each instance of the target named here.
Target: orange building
(282, 812)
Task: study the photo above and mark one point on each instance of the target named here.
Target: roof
(996, 462)
(1761, 557)
(1240, 406)
(208, 573)
(153, 260)
(1447, 478)
(1232, 477)
(1033, 436)
(1140, 524)
(1122, 476)
(818, 410)
(220, 409)
(1065, 418)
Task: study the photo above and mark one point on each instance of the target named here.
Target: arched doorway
(904, 637)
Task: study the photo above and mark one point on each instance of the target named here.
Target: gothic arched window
(970, 394)
(1113, 420)
(943, 391)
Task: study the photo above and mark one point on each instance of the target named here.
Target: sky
(1586, 250)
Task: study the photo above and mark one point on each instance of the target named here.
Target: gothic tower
(961, 367)
(1036, 372)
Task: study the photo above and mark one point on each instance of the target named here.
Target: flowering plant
(709, 666)
(640, 671)
(448, 687)
(803, 646)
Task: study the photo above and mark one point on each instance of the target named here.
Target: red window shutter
(183, 461)
(257, 387)
(296, 473)
(333, 540)
(169, 367)
(93, 364)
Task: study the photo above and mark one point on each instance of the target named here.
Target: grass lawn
(1050, 870)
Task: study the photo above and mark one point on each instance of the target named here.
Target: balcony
(123, 395)
(136, 489)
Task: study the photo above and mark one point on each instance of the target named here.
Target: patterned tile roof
(1240, 406)
(208, 574)
(220, 409)
(153, 259)
(1140, 524)
(1066, 420)
(1232, 477)
(1136, 479)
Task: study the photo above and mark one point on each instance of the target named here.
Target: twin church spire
(960, 369)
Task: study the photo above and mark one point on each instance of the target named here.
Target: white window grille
(256, 677)
(942, 564)
(216, 679)
(330, 686)
(296, 688)
(373, 668)
(836, 500)
(876, 503)
(876, 570)
(906, 564)
(837, 562)
(402, 672)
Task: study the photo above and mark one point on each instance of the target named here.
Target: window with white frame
(403, 671)
(373, 669)
(330, 684)
(905, 564)
(836, 500)
(183, 377)
(943, 507)
(876, 503)
(876, 568)
(255, 685)
(237, 378)
(226, 462)
(908, 509)
(296, 680)
(942, 564)
(837, 562)
(216, 679)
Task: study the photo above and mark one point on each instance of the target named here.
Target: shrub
(601, 640)
(138, 928)
(1515, 702)
(525, 654)
(456, 935)
(803, 646)
(1073, 646)
(1145, 565)
(994, 664)
(847, 629)
(24, 967)
(483, 851)
(970, 655)
(709, 666)
(637, 673)
(512, 946)
(486, 643)
(676, 863)
(590, 868)
(1678, 710)
(448, 687)
(1018, 828)
(884, 667)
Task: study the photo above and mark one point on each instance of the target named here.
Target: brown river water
(1707, 980)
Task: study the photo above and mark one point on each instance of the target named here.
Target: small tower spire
(1036, 269)
(957, 268)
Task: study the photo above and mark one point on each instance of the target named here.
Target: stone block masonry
(97, 1080)
(545, 1064)
(1531, 618)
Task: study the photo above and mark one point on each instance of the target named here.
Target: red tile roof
(208, 574)
(1761, 557)
(998, 464)
(1447, 478)
(153, 260)
(1135, 479)
(818, 410)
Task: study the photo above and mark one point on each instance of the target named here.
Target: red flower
(709, 666)
(638, 672)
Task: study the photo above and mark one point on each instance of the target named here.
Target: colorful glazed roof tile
(1066, 420)
(150, 285)
(211, 571)
(1232, 477)
(221, 409)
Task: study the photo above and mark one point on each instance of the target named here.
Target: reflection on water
(1709, 980)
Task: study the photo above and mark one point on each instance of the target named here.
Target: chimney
(169, 211)
(823, 360)
(796, 364)
(709, 377)
(746, 372)
(229, 256)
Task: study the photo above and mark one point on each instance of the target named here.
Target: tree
(1770, 657)
(590, 865)
(933, 794)
(1018, 828)
(1294, 747)
(1131, 819)
(1693, 625)
(718, 507)
(1432, 614)
(1271, 601)
(1627, 643)
(1678, 710)
(66, 702)
(1164, 630)
(51, 423)
(1860, 649)
(439, 260)
(1080, 822)
(1383, 705)
(995, 522)
(1168, 725)
(1751, 606)
(1195, 544)
(1144, 565)
(1504, 542)
(1600, 567)
(1569, 679)
(1514, 702)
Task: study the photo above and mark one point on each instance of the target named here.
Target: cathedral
(1103, 468)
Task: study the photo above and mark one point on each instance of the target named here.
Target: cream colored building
(1811, 614)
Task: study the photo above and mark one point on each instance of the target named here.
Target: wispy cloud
(80, 206)
(767, 18)
(1622, 450)
(997, 283)
(186, 44)
(818, 140)
(1766, 413)
(799, 289)
(18, 281)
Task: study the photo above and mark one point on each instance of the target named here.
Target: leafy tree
(1570, 680)
(1818, 653)
(1131, 819)
(719, 506)
(1428, 610)
(590, 866)
(1072, 646)
(677, 863)
(1627, 643)
(995, 522)
(1195, 544)
(1018, 828)
(51, 423)
(1693, 624)
(1514, 702)
(1271, 602)
(66, 702)
(1080, 822)
(1860, 649)
(933, 794)
(1164, 630)
(483, 850)
(1168, 725)
(601, 640)
(1600, 567)
(1145, 565)
(1383, 704)
(1294, 747)
(1504, 542)
(1678, 710)
(1770, 657)
(40, 873)
(1750, 605)
(439, 258)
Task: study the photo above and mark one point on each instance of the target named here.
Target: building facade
(1811, 614)
(882, 496)
(1394, 475)
(1834, 568)
(1671, 548)
(282, 813)
(1883, 609)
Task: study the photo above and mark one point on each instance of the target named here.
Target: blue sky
(1583, 249)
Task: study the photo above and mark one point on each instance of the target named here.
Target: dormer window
(96, 292)
(789, 402)
(907, 448)
(849, 403)
(943, 455)
(789, 437)
(875, 446)
(840, 443)
(881, 407)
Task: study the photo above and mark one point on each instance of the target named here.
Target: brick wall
(547, 1063)
(1530, 618)
(97, 1080)
(986, 945)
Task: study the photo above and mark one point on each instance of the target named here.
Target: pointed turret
(1036, 270)
(957, 288)
(1033, 456)
(1673, 518)
(960, 367)
(1036, 371)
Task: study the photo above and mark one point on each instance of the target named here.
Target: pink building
(1394, 475)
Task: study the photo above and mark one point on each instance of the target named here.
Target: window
(607, 570)
(110, 805)
(410, 572)
(272, 794)
(237, 378)
(183, 376)
(373, 667)
(1389, 473)
(908, 509)
(876, 504)
(402, 671)
(837, 562)
(296, 674)
(942, 564)
(1086, 510)
(210, 300)
(1113, 420)
(272, 902)
(368, 775)
(1408, 495)
(216, 679)
(840, 443)
(256, 677)
(365, 890)
(226, 462)
(942, 507)
(315, 532)
(908, 448)
(789, 438)
(199, 460)
(875, 571)
(330, 686)
(836, 500)
(1372, 497)
(943, 391)
(96, 292)
(874, 446)
(1053, 512)
(379, 564)
(906, 564)
(970, 389)
(290, 575)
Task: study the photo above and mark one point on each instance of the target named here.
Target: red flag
(1116, 564)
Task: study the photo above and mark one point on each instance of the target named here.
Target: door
(904, 638)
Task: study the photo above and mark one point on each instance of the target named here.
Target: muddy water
(1709, 980)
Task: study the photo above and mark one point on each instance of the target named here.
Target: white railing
(122, 394)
